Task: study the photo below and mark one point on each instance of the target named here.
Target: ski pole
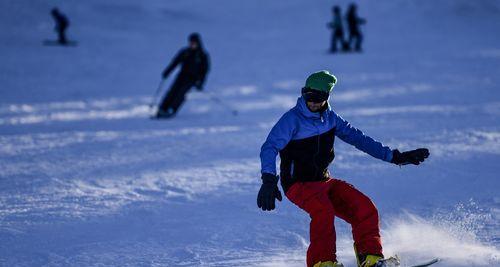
(153, 101)
(218, 100)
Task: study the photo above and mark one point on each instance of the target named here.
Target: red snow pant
(326, 199)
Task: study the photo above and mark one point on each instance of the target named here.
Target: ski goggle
(316, 96)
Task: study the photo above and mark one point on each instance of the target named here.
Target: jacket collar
(302, 107)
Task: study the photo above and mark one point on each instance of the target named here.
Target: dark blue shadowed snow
(86, 179)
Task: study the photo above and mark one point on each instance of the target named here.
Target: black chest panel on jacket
(193, 62)
(307, 160)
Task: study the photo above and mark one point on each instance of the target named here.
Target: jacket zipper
(316, 168)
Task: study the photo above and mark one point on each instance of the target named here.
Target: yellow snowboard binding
(377, 261)
(328, 264)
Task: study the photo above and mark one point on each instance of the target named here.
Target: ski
(429, 263)
(56, 43)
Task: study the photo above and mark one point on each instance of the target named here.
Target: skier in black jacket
(194, 67)
(354, 22)
(62, 23)
(337, 31)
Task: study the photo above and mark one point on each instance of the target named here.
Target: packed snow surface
(86, 179)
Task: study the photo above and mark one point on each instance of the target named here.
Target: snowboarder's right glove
(268, 192)
(416, 156)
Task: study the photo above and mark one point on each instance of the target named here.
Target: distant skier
(62, 24)
(304, 138)
(194, 67)
(353, 23)
(337, 30)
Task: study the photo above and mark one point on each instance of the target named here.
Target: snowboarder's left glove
(268, 192)
(416, 156)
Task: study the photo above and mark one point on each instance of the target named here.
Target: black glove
(416, 156)
(198, 85)
(268, 192)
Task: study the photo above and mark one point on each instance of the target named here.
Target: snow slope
(87, 180)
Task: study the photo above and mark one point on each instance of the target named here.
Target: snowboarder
(195, 65)
(62, 23)
(337, 30)
(304, 138)
(354, 22)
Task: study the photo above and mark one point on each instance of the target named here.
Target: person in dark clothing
(62, 23)
(337, 30)
(304, 137)
(353, 23)
(194, 67)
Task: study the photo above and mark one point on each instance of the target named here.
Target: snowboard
(429, 263)
(395, 262)
(56, 43)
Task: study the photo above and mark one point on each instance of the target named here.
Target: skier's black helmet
(195, 38)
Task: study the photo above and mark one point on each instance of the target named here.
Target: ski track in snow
(32, 143)
(77, 197)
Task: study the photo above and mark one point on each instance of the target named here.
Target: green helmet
(321, 81)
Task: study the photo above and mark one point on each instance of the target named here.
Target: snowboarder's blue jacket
(304, 140)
